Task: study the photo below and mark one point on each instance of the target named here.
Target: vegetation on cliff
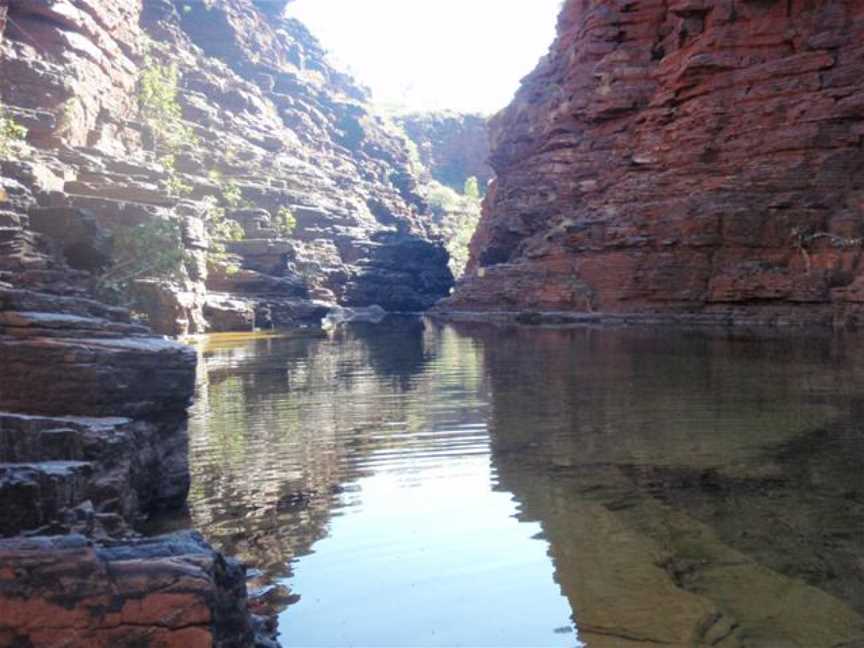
(159, 107)
(154, 249)
(456, 216)
(11, 132)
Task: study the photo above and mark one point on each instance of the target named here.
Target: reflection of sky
(431, 558)
(465, 55)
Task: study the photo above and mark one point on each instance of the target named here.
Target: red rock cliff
(689, 157)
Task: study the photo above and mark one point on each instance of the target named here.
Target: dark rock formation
(682, 158)
(267, 114)
(92, 472)
(452, 146)
(93, 441)
(171, 592)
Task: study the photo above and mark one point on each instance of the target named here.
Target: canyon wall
(690, 159)
(93, 441)
(268, 127)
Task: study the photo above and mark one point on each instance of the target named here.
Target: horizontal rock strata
(93, 441)
(266, 117)
(681, 158)
(171, 592)
(453, 146)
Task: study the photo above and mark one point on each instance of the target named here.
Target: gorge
(194, 167)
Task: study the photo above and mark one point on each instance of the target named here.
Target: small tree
(158, 105)
(472, 188)
(151, 250)
(220, 228)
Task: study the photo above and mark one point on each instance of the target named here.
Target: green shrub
(443, 198)
(10, 132)
(284, 222)
(459, 241)
(159, 108)
(175, 184)
(232, 195)
(151, 250)
(221, 229)
(458, 216)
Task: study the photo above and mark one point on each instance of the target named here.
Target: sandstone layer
(690, 158)
(171, 592)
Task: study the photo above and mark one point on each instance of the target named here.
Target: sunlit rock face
(267, 113)
(682, 158)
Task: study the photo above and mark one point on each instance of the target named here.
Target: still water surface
(426, 485)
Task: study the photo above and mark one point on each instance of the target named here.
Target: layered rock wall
(266, 115)
(694, 158)
(170, 592)
(93, 436)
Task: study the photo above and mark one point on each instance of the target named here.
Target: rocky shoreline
(781, 318)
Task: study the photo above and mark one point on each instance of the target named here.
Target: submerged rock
(339, 316)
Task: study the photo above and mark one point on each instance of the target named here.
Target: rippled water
(420, 485)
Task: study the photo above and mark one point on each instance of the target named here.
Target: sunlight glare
(463, 55)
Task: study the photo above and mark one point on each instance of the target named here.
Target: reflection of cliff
(283, 426)
(696, 491)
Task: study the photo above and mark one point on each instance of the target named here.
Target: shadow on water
(474, 485)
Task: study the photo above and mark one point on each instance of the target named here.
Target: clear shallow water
(419, 485)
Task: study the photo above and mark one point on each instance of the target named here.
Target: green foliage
(158, 105)
(232, 195)
(10, 132)
(472, 188)
(219, 226)
(459, 241)
(284, 222)
(175, 185)
(158, 90)
(457, 217)
(151, 250)
(443, 198)
(221, 229)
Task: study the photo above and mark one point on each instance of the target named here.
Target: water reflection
(474, 486)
